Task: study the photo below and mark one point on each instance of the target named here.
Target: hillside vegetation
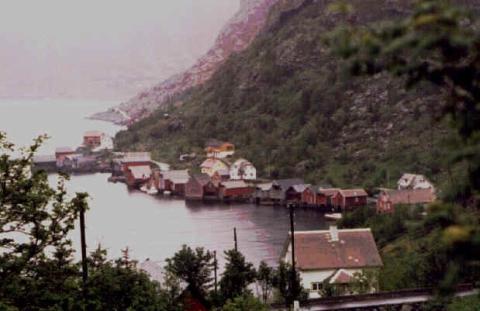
(286, 105)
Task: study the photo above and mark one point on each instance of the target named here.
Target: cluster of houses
(223, 179)
(86, 158)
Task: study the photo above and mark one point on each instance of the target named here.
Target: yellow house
(212, 165)
(218, 149)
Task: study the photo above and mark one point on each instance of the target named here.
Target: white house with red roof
(334, 257)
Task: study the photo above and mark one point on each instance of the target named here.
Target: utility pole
(215, 267)
(84, 252)
(293, 279)
(235, 238)
(292, 235)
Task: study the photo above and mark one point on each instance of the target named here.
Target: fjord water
(152, 227)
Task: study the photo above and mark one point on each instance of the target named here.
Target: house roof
(234, 184)
(64, 150)
(141, 172)
(177, 176)
(350, 193)
(211, 162)
(264, 186)
(318, 250)
(202, 179)
(419, 196)
(341, 277)
(44, 159)
(300, 188)
(215, 143)
(93, 134)
(329, 192)
(287, 183)
(129, 157)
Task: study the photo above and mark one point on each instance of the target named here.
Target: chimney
(333, 234)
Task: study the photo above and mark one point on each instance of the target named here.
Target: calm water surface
(152, 227)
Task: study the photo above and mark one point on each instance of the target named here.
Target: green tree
(244, 303)
(120, 285)
(438, 44)
(288, 284)
(237, 276)
(265, 278)
(193, 267)
(35, 219)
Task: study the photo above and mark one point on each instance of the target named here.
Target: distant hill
(290, 108)
(237, 35)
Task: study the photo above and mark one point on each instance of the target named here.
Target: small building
(130, 159)
(242, 169)
(327, 195)
(414, 182)
(46, 163)
(92, 139)
(219, 149)
(61, 153)
(136, 176)
(235, 190)
(294, 193)
(200, 187)
(334, 257)
(388, 199)
(174, 181)
(275, 192)
(212, 165)
(349, 199)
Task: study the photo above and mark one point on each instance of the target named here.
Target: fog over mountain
(102, 49)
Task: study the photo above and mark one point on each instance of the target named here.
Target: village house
(349, 199)
(212, 165)
(243, 169)
(414, 181)
(61, 153)
(235, 190)
(334, 258)
(80, 163)
(92, 139)
(46, 163)
(388, 199)
(200, 187)
(316, 196)
(219, 149)
(130, 159)
(97, 140)
(275, 192)
(294, 193)
(326, 196)
(174, 181)
(138, 175)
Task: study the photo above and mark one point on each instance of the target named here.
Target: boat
(334, 216)
(149, 190)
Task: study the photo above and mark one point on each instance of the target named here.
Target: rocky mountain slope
(237, 35)
(290, 107)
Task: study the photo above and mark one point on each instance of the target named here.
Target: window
(316, 286)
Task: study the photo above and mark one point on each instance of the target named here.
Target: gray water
(152, 227)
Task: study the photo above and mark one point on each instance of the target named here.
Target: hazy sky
(102, 47)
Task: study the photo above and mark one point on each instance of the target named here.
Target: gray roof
(284, 184)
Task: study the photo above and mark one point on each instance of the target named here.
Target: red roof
(419, 196)
(329, 192)
(93, 134)
(342, 277)
(355, 248)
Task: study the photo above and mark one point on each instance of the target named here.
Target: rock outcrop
(235, 37)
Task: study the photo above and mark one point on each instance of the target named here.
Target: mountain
(291, 108)
(235, 37)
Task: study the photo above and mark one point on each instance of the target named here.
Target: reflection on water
(155, 227)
